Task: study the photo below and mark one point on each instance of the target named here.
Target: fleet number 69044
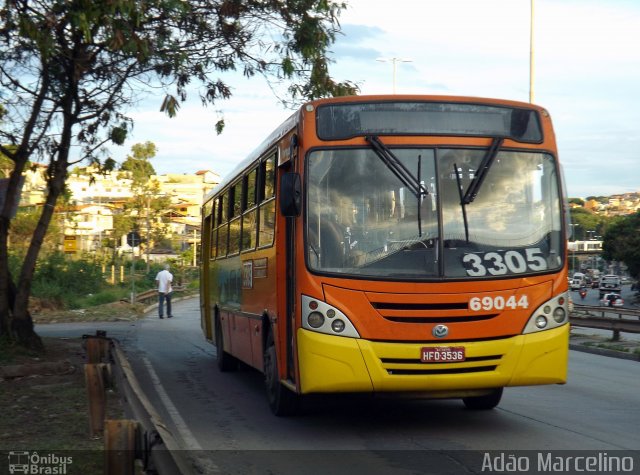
(498, 303)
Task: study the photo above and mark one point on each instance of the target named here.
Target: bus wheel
(225, 361)
(282, 401)
(483, 403)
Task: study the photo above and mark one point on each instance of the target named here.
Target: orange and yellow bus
(381, 244)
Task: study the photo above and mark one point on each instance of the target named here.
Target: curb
(604, 352)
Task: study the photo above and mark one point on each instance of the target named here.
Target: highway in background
(593, 297)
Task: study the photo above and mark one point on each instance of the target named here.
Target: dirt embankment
(111, 312)
(45, 405)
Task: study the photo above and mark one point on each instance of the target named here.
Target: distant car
(577, 284)
(612, 300)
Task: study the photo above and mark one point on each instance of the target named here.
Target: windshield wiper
(483, 169)
(392, 162)
(463, 205)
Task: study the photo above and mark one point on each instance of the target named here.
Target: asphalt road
(224, 418)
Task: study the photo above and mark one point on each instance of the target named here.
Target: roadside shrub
(148, 280)
(194, 285)
(65, 281)
(103, 297)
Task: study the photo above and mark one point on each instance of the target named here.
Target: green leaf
(219, 126)
(170, 105)
(287, 67)
(118, 135)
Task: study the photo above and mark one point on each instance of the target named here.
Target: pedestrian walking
(164, 280)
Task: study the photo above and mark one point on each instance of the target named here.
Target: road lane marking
(185, 434)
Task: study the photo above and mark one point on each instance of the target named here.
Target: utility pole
(133, 240)
(195, 247)
(573, 251)
(148, 234)
(531, 55)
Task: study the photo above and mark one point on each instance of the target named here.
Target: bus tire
(225, 361)
(282, 401)
(483, 403)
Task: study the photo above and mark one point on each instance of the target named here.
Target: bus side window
(213, 240)
(250, 183)
(223, 209)
(269, 173)
(223, 227)
(249, 217)
(235, 202)
(267, 206)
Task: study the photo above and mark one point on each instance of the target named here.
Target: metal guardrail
(606, 318)
(150, 296)
(145, 436)
(147, 297)
(158, 447)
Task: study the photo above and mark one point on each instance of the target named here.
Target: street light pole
(573, 250)
(531, 54)
(148, 232)
(394, 61)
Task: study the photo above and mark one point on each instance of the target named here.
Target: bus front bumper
(336, 364)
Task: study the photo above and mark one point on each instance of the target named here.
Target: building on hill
(96, 197)
(594, 206)
(187, 188)
(88, 185)
(34, 190)
(614, 205)
(88, 224)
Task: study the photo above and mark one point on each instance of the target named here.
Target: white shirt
(164, 279)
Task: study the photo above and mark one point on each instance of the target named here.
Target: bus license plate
(442, 354)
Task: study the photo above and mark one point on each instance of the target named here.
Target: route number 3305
(503, 263)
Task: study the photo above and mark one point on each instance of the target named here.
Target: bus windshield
(364, 220)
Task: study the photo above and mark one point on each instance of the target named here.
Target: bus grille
(412, 366)
(436, 312)
(473, 369)
(440, 319)
(420, 306)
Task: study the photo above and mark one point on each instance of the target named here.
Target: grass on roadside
(610, 345)
(109, 312)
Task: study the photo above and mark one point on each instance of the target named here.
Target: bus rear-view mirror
(290, 195)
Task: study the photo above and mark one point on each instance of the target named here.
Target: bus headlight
(550, 314)
(541, 321)
(338, 326)
(318, 316)
(559, 314)
(315, 319)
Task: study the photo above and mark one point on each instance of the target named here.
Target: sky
(586, 74)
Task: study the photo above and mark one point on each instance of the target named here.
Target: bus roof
(291, 121)
(266, 144)
(426, 98)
